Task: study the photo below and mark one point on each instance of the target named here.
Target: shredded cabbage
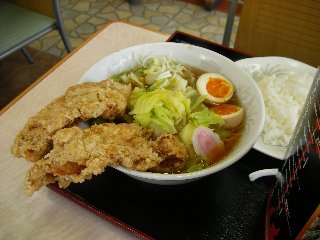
(170, 112)
(162, 110)
(159, 72)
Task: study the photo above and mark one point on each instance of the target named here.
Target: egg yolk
(217, 87)
(224, 109)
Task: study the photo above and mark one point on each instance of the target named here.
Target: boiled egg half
(216, 87)
(231, 114)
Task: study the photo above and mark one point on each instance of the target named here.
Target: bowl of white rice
(284, 84)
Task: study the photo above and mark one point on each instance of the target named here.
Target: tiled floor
(83, 17)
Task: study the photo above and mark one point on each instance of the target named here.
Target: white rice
(284, 96)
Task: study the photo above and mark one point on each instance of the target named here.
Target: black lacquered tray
(225, 205)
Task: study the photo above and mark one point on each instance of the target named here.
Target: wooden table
(47, 215)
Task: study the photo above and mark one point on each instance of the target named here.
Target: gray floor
(83, 18)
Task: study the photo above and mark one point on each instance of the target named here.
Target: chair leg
(229, 23)
(65, 39)
(27, 55)
(209, 5)
(133, 2)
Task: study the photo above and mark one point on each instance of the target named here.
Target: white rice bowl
(284, 83)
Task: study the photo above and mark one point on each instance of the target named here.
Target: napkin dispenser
(293, 207)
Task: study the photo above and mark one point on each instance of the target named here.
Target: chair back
(288, 28)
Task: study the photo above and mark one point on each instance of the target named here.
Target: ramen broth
(230, 137)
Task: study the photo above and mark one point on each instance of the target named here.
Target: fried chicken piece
(173, 151)
(80, 153)
(107, 99)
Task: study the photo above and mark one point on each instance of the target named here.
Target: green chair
(24, 21)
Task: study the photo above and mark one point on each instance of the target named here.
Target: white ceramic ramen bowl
(245, 87)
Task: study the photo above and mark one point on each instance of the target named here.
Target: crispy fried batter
(107, 99)
(174, 153)
(80, 153)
